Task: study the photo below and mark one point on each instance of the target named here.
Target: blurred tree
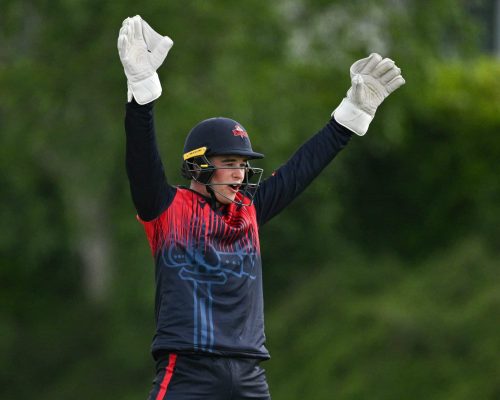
(361, 329)
(76, 274)
(440, 183)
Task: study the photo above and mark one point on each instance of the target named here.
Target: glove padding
(372, 79)
(142, 51)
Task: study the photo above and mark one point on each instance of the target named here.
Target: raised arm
(372, 80)
(141, 52)
(289, 180)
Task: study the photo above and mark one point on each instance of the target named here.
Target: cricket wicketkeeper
(209, 341)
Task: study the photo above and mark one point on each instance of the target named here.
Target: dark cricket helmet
(220, 136)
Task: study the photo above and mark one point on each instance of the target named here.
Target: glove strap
(145, 91)
(352, 117)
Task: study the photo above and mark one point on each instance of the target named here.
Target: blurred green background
(381, 280)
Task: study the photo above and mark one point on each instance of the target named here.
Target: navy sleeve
(150, 190)
(288, 181)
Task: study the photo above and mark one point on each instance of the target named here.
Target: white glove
(142, 51)
(373, 79)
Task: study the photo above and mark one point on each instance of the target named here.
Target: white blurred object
(142, 51)
(372, 80)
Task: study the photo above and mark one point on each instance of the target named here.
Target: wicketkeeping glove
(142, 51)
(372, 79)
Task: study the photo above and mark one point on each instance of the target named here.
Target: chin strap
(212, 196)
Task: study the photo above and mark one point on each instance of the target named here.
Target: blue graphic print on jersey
(205, 266)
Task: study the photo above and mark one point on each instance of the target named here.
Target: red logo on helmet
(239, 131)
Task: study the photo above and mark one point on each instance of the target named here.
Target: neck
(200, 188)
(205, 191)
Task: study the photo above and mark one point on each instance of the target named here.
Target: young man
(209, 339)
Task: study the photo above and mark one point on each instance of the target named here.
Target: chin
(224, 200)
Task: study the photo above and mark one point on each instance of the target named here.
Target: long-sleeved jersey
(207, 258)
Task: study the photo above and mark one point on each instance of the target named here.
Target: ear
(196, 171)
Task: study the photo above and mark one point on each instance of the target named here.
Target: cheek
(221, 176)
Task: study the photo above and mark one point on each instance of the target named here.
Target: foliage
(363, 329)
(76, 276)
(439, 183)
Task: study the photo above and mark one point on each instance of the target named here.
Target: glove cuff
(145, 91)
(352, 117)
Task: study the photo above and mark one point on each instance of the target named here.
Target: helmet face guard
(197, 167)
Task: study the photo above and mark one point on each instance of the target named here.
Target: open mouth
(235, 188)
